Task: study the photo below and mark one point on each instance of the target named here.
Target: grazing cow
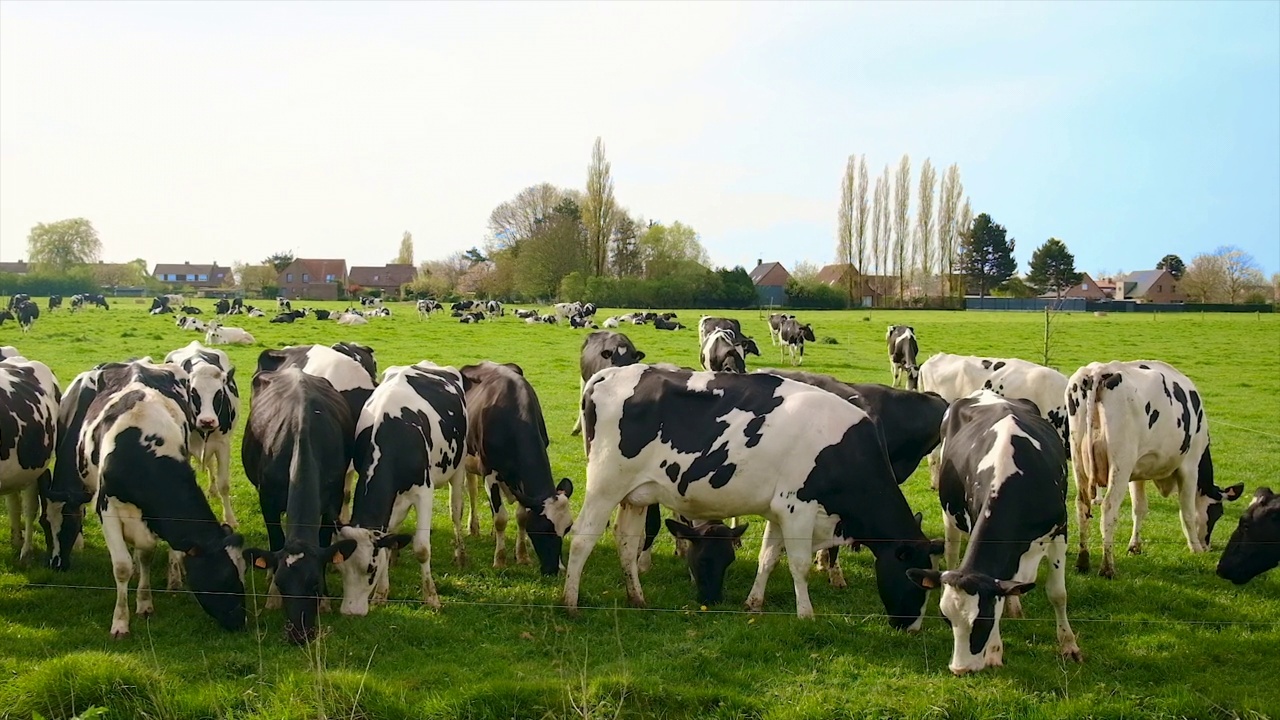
(27, 313)
(715, 445)
(55, 301)
(1137, 421)
(217, 334)
(321, 314)
(793, 336)
(712, 548)
(1254, 548)
(222, 307)
(661, 324)
(64, 497)
(215, 402)
(902, 355)
(133, 455)
(410, 440)
(189, 323)
(297, 445)
(424, 309)
(29, 399)
(957, 376)
(191, 310)
(17, 299)
(1003, 481)
(99, 301)
(775, 326)
(708, 325)
(601, 350)
(507, 446)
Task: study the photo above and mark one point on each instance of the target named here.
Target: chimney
(759, 262)
(184, 262)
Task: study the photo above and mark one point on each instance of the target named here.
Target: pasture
(1166, 638)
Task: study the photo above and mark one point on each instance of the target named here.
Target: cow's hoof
(1107, 572)
(1135, 549)
(753, 605)
(1082, 562)
(145, 609)
(1072, 653)
(432, 602)
(274, 603)
(119, 633)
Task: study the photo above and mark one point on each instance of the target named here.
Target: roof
(188, 268)
(14, 267)
(390, 275)
(758, 273)
(1143, 280)
(321, 267)
(832, 274)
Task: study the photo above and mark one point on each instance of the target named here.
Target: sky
(228, 131)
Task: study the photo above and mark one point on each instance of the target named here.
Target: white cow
(215, 402)
(222, 335)
(957, 376)
(190, 323)
(352, 318)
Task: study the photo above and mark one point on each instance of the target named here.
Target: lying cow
(1254, 548)
(190, 323)
(218, 334)
(1003, 481)
(1138, 421)
(902, 355)
(601, 350)
(661, 324)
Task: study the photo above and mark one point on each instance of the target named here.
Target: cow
(78, 300)
(237, 304)
(175, 299)
(17, 299)
(320, 314)
(726, 351)
(549, 319)
(25, 312)
(55, 301)
(708, 324)
(215, 403)
(507, 447)
(462, 305)
(410, 440)
(902, 355)
(189, 323)
(1254, 548)
(471, 318)
(495, 308)
(775, 326)
(793, 336)
(160, 305)
(9, 351)
(525, 314)
(297, 445)
(133, 457)
(424, 309)
(191, 310)
(217, 334)
(252, 311)
(99, 301)
(1137, 421)
(601, 350)
(660, 324)
(287, 317)
(581, 321)
(351, 318)
(64, 497)
(564, 311)
(282, 304)
(347, 366)
(715, 445)
(957, 376)
(222, 307)
(610, 322)
(1003, 481)
(711, 549)
(29, 398)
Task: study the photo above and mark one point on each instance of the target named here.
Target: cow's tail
(1092, 445)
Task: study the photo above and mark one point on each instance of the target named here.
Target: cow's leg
(935, 467)
(348, 482)
(422, 547)
(1056, 588)
(30, 500)
(275, 538)
(587, 530)
(142, 558)
(1138, 498)
(456, 502)
(473, 492)
(994, 652)
(577, 421)
(121, 569)
(831, 557)
(628, 531)
(801, 361)
(1110, 516)
(174, 578)
(222, 455)
(1187, 510)
(952, 536)
(1084, 511)
(652, 526)
(15, 519)
(770, 551)
(895, 372)
(799, 549)
(499, 509)
(522, 535)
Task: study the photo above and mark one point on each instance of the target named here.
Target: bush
(814, 296)
(44, 285)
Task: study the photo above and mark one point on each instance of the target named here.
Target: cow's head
(1254, 547)
(215, 570)
(913, 377)
(360, 569)
(547, 520)
(972, 603)
(622, 354)
(63, 523)
(806, 331)
(211, 399)
(298, 571)
(749, 346)
(711, 551)
(1209, 506)
(904, 599)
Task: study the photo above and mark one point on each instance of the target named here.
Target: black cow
(64, 496)
(1254, 548)
(1002, 479)
(17, 299)
(462, 305)
(601, 350)
(661, 324)
(55, 301)
(99, 301)
(237, 304)
(159, 305)
(27, 312)
(287, 317)
(28, 425)
(507, 446)
(297, 445)
(793, 335)
(712, 549)
(222, 307)
(191, 310)
(321, 314)
(902, 355)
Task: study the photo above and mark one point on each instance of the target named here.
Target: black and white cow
(793, 335)
(222, 307)
(708, 324)
(565, 310)
(495, 308)
(55, 301)
(957, 376)
(285, 317)
(601, 350)
(1138, 421)
(724, 350)
(410, 440)
(190, 323)
(321, 314)
(507, 446)
(581, 321)
(297, 445)
(902, 355)
(191, 310)
(715, 445)
(215, 402)
(347, 366)
(425, 307)
(29, 399)
(63, 499)
(133, 456)
(283, 304)
(9, 351)
(26, 313)
(1002, 481)
(17, 299)
(462, 305)
(525, 314)
(160, 304)
(1254, 548)
(661, 324)
(775, 326)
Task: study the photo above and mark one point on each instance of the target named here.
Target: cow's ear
(394, 542)
(919, 519)
(519, 370)
(937, 547)
(737, 532)
(270, 360)
(1234, 492)
(606, 353)
(639, 355)
(926, 579)
(1009, 588)
(260, 559)
(565, 487)
(231, 374)
(340, 551)
(680, 530)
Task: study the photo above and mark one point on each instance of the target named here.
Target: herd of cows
(338, 460)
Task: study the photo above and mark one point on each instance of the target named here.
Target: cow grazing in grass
(1254, 548)
(25, 312)
(1138, 421)
(55, 301)
(1003, 481)
(601, 350)
(410, 440)
(215, 402)
(715, 445)
(793, 336)
(902, 355)
(957, 376)
(29, 397)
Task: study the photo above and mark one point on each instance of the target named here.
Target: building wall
(1164, 290)
(296, 281)
(771, 295)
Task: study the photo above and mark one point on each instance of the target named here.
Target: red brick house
(1153, 286)
(1087, 288)
(387, 278)
(837, 276)
(187, 275)
(770, 280)
(313, 279)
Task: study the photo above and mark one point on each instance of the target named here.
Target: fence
(1131, 306)
(1024, 304)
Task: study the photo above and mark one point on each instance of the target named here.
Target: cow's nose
(206, 423)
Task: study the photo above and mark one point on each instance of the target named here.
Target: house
(1109, 287)
(198, 276)
(312, 279)
(387, 278)
(1153, 286)
(1087, 288)
(16, 268)
(838, 276)
(770, 280)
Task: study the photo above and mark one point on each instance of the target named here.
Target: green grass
(1167, 638)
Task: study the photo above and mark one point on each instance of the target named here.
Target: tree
(58, 247)
(880, 224)
(851, 242)
(964, 226)
(1275, 287)
(1053, 267)
(988, 255)
(925, 222)
(280, 260)
(805, 272)
(599, 210)
(1240, 271)
(666, 249)
(515, 220)
(1173, 264)
(475, 256)
(948, 225)
(556, 249)
(627, 260)
(405, 257)
(902, 224)
(254, 277)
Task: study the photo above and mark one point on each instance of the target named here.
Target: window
(1159, 288)
(1084, 286)
(202, 278)
(306, 277)
(329, 277)
(1173, 288)
(376, 278)
(288, 277)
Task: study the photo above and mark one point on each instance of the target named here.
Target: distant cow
(957, 376)
(29, 397)
(190, 323)
(793, 336)
(351, 318)
(661, 324)
(1003, 481)
(222, 307)
(708, 325)
(220, 335)
(55, 301)
(320, 314)
(1138, 421)
(902, 355)
(25, 312)
(495, 308)
(775, 326)
(1254, 548)
(215, 403)
(191, 310)
(601, 350)
(564, 311)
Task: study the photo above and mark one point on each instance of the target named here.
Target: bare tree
(885, 230)
(516, 219)
(1205, 279)
(405, 256)
(964, 224)
(1240, 271)
(902, 223)
(925, 227)
(845, 221)
(599, 210)
(947, 226)
(861, 212)
(877, 240)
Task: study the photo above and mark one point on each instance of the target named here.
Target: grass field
(1167, 638)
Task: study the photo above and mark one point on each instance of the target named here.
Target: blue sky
(226, 131)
